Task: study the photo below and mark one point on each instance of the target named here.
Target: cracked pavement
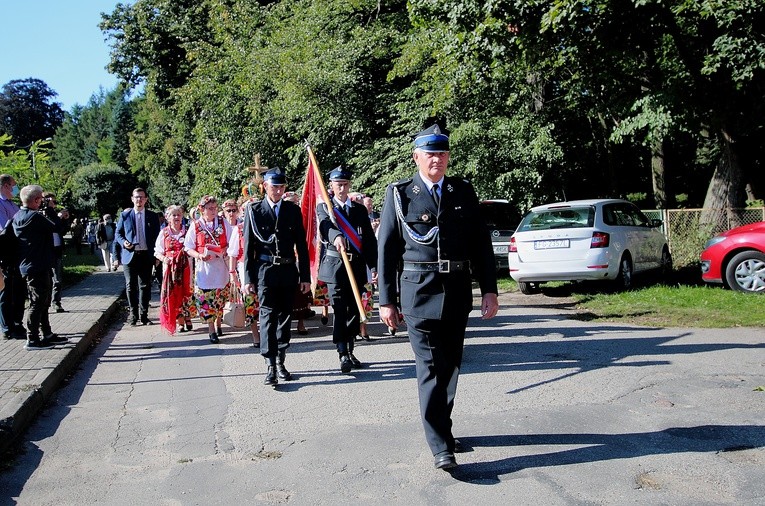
(553, 410)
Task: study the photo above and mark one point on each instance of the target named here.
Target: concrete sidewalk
(28, 378)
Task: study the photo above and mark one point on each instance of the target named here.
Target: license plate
(500, 249)
(552, 244)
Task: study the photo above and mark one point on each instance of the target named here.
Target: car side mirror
(656, 223)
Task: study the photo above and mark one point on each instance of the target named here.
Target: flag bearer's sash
(347, 229)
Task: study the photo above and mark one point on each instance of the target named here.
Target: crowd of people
(422, 252)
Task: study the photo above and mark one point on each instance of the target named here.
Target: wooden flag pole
(343, 254)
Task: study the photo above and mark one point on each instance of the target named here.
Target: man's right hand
(389, 315)
(339, 243)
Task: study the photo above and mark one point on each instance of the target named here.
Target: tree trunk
(725, 193)
(657, 175)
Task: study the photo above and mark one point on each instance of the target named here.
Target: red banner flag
(310, 197)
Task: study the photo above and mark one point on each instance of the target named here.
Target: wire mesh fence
(687, 230)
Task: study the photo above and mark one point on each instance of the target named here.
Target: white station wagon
(603, 239)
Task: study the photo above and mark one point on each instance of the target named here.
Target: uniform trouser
(58, 274)
(437, 346)
(138, 275)
(39, 292)
(12, 299)
(275, 317)
(346, 322)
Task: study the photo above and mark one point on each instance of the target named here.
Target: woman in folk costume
(236, 272)
(176, 294)
(207, 243)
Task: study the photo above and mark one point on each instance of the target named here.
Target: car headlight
(714, 240)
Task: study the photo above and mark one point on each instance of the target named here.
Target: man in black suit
(431, 239)
(350, 231)
(136, 234)
(273, 233)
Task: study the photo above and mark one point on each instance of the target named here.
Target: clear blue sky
(59, 42)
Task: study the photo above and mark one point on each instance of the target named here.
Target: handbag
(233, 311)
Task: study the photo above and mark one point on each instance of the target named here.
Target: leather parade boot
(282, 371)
(356, 363)
(345, 364)
(270, 378)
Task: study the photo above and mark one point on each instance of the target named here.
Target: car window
(625, 215)
(499, 215)
(640, 219)
(569, 217)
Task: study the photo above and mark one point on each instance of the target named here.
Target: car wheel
(666, 262)
(624, 278)
(529, 288)
(746, 272)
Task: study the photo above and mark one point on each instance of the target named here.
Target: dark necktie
(436, 196)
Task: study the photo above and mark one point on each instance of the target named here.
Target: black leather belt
(277, 260)
(333, 253)
(443, 266)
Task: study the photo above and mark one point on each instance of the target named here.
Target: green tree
(100, 188)
(98, 132)
(28, 112)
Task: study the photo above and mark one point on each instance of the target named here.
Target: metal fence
(688, 229)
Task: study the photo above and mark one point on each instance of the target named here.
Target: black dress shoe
(145, 320)
(270, 378)
(214, 338)
(445, 461)
(133, 321)
(324, 320)
(303, 332)
(345, 364)
(356, 363)
(458, 448)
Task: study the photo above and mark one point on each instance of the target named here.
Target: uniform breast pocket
(420, 222)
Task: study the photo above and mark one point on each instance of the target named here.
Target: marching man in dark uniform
(353, 234)
(273, 233)
(431, 238)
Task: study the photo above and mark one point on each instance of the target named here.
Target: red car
(736, 258)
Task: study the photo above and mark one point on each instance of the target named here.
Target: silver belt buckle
(350, 257)
(276, 260)
(444, 266)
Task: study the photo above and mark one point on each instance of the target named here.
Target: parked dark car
(736, 259)
(501, 219)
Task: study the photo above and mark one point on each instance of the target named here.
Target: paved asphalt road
(553, 411)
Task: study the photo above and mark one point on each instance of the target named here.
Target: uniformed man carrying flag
(350, 231)
(431, 239)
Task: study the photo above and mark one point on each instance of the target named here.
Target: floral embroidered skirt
(251, 309)
(367, 299)
(209, 303)
(321, 294)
